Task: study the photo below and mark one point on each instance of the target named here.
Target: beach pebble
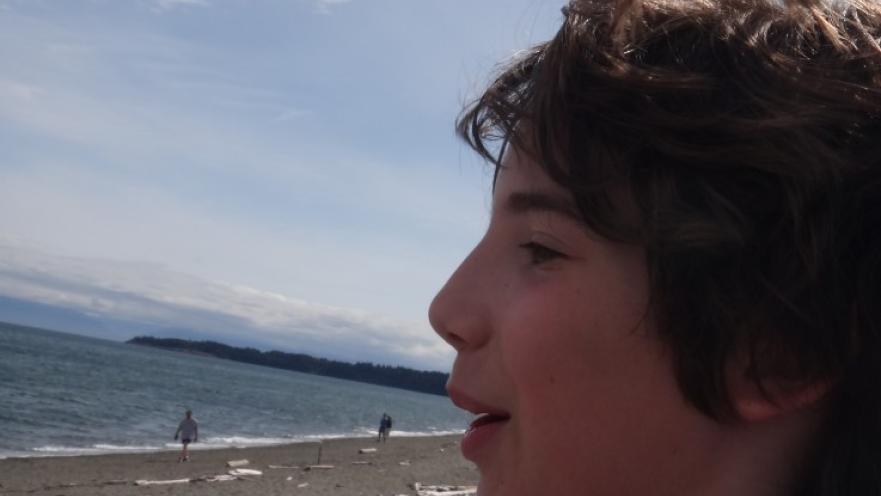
(305, 484)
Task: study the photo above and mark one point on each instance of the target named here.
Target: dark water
(66, 394)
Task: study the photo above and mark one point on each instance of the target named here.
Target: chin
(492, 485)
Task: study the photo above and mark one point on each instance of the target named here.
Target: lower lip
(477, 438)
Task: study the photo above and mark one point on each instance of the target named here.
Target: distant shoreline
(382, 375)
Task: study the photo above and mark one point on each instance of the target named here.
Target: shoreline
(66, 452)
(394, 468)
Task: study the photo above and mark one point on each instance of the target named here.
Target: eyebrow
(525, 202)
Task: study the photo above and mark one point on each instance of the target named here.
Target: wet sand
(390, 471)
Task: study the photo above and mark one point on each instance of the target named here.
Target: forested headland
(383, 375)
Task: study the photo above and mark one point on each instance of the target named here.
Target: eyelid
(554, 229)
(549, 241)
(540, 255)
(534, 246)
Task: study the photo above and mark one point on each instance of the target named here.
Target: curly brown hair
(747, 135)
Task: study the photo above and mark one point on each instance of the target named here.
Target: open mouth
(485, 419)
(486, 428)
(483, 433)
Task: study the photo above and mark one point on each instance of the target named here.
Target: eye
(539, 254)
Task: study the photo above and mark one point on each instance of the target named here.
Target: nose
(460, 311)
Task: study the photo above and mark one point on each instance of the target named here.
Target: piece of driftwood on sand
(244, 471)
(144, 482)
(443, 490)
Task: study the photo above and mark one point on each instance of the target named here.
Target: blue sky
(281, 173)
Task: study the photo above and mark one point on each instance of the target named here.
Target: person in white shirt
(188, 432)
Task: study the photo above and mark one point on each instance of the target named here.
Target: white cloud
(326, 6)
(18, 91)
(154, 295)
(291, 114)
(164, 5)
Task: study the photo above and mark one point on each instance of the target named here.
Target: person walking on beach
(188, 432)
(388, 427)
(385, 425)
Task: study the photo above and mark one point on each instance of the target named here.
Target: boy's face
(553, 335)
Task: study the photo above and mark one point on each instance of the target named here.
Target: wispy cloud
(164, 5)
(291, 114)
(326, 6)
(153, 295)
(18, 91)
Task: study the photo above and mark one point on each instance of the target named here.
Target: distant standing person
(385, 426)
(381, 433)
(188, 432)
(388, 427)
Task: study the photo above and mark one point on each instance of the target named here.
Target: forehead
(523, 186)
(518, 170)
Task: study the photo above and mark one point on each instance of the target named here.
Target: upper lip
(472, 405)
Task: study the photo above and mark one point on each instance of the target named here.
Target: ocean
(62, 394)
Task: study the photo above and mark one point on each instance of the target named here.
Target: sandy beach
(285, 470)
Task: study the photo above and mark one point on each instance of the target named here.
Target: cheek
(555, 328)
(547, 339)
(580, 351)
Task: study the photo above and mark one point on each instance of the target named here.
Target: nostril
(459, 321)
(448, 324)
(454, 340)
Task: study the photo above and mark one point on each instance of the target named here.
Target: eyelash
(539, 254)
